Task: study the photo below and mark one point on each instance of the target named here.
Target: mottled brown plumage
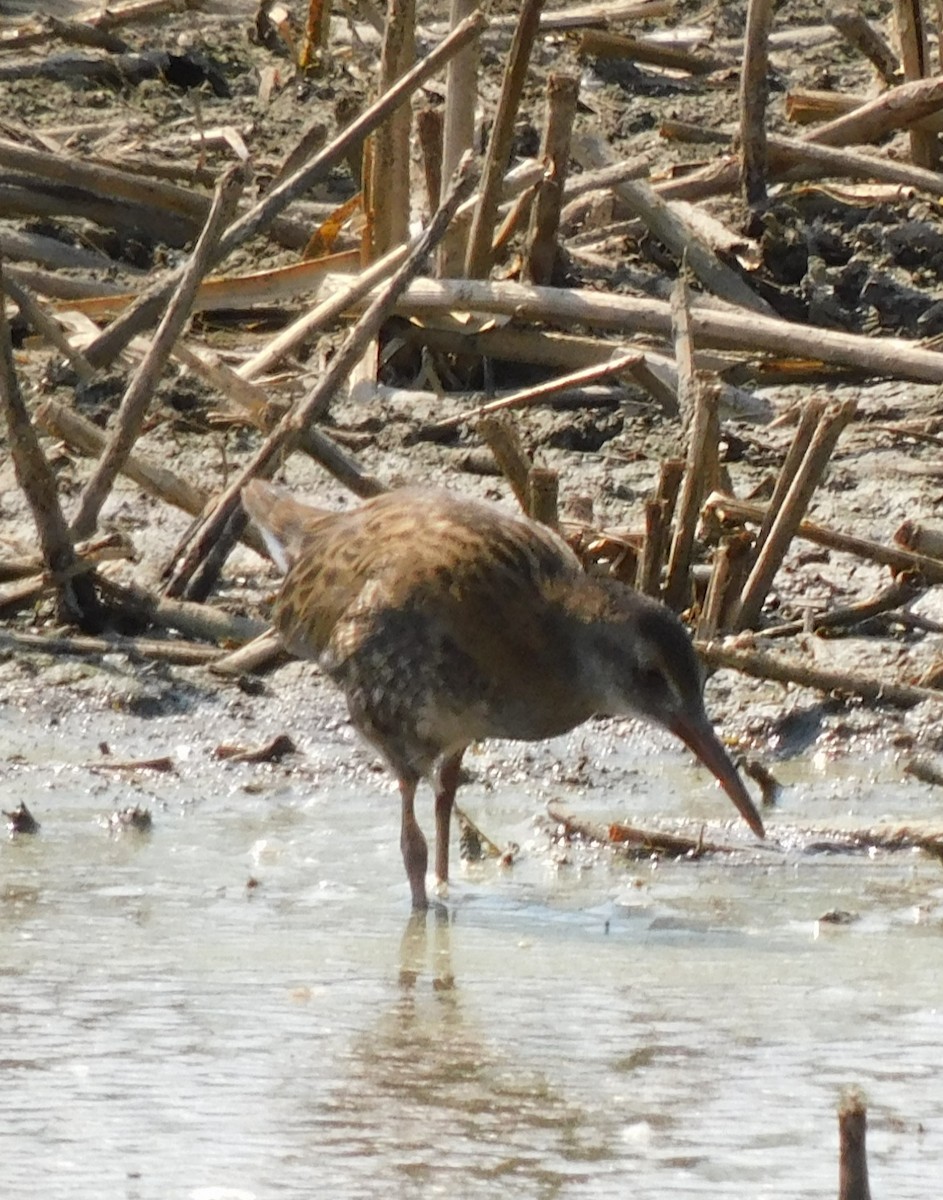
(445, 620)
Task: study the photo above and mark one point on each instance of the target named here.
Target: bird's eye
(651, 680)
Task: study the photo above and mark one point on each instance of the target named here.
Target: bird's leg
(445, 789)
(413, 844)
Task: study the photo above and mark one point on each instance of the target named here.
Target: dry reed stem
(912, 37)
(386, 195)
(789, 516)
(46, 327)
(858, 32)
(261, 215)
(458, 134)
(217, 531)
(130, 416)
(754, 93)
(478, 254)
(852, 1151)
(542, 250)
(500, 434)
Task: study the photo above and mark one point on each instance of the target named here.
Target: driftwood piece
(478, 255)
(217, 532)
(754, 93)
(880, 356)
(262, 214)
(669, 227)
(76, 594)
(131, 412)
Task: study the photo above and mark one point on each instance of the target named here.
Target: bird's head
(636, 659)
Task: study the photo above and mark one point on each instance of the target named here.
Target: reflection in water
(428, 1100)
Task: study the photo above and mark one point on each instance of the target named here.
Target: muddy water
(581, 1029)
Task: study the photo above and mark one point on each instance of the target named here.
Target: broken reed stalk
(858, 32)
(253, 401)
(478, 254)
(85, 436)
(131, 412)
(659, 512)
(727, 577)
(788, 518)
(894, 109)
(895, 557)
(670, 228)
(652, 558)
(323, 314)
(808, 106)
(106, 347)
(912, 36)
(761, 665)
(77, 599)
(386, 195)
(703, 428)
(219, 529)
(683, 342)
(261, 654)
(429, 130)
(500, 434)
(754, 93)
(458, 134)
(852, 1150)
(597, 43)
(33, 312)
(808, 423)
(184, 654)
(542, 249)
(527, 397)
(897, 593)
(543, 492)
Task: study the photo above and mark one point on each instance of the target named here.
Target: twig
(287, 435)
(754, 92)
(543, 487)
(131, 412)
(900, 591)
(894, 109)
(461, 85)
(527, 397)
(261, 654)
(789, 517)
(478, 254)
(596, 43)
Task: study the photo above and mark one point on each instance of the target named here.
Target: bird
(445, 621)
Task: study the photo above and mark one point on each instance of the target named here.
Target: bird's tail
(282, 520)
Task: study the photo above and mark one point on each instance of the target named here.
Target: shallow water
(590, 1029)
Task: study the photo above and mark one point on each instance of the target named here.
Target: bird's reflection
(428, 1096)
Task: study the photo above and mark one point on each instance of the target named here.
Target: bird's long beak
(698, 735)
